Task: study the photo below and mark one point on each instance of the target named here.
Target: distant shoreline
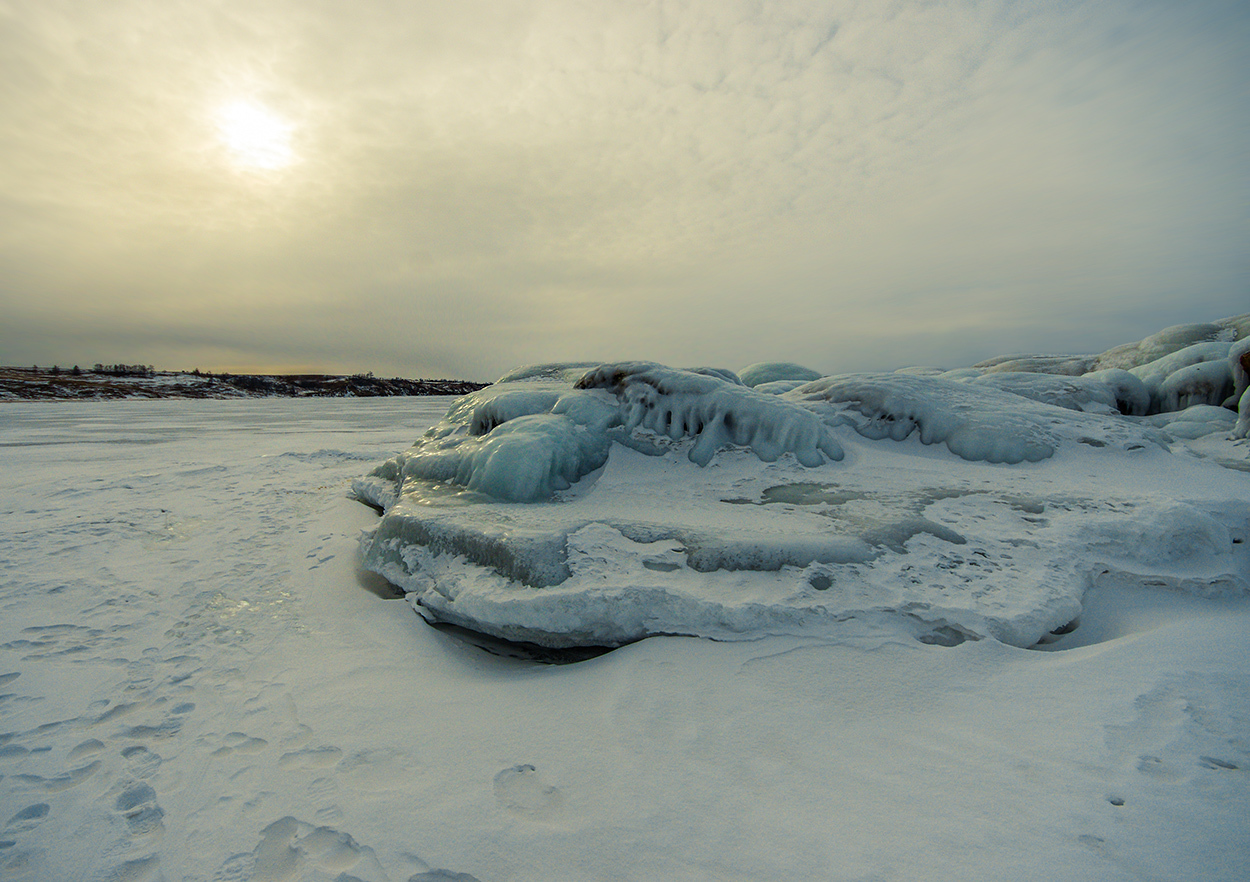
(63, 384)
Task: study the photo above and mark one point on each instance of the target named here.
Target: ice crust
(597, 504)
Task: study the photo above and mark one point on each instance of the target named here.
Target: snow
(955, 625)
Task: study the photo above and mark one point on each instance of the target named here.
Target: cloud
(846, 184)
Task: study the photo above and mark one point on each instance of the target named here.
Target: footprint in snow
(521, 789)
(310, 758)
(239, 742)
(137, 804)
(90, 747)
(293, 849)
(58, 783)
(28, 818)
(141, 762)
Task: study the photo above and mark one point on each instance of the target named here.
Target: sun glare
(255, 136)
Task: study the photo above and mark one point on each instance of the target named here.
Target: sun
(256, 137)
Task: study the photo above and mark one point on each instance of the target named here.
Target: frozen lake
(197, 681)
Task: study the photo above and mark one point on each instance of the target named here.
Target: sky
(432, 189)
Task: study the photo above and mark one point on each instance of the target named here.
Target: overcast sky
(453, 189)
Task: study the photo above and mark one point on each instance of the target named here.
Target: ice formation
(776, 371)
(996, 418)
(1064, 365)
(1239, 367)
(596, 504)
(1169, 340)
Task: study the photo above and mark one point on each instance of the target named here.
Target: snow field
(198, 682)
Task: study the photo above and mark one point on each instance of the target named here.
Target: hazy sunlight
(255, 136)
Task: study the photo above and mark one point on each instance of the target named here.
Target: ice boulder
(1239, 367)
(1088, 394)
(772, 371)
(558, 372)
(778, 387)
(1064, 365)
(1209, 383)
(1132, 355)
(1197, 374)
(1132, 398)
(1195, 421)
(964, 374)
(1237, 326)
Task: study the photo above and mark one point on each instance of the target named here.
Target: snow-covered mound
(776, 372)
(995, 418)
(1173, 339)
(597, 504)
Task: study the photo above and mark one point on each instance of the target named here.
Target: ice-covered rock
(715, 413)
(1238, 326)
(778, 387)
(1132, 355)
(1195, 421)
(1064, 365)
(1209, 382)
(557, 372)
(938, 411)
(574, 505)
(976, 420)
(924, 370)
(1087, 394)
(535, 433)
(1132, 398)
(1197, 374)
(773, 371)
(961, 373)
(1239, 367)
